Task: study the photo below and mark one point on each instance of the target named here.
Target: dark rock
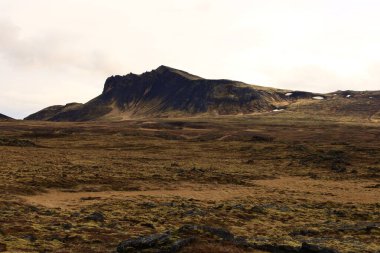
(179, 244)
(309, 248)
(96, 216)
(250, 161)
(144, 242)
(48, 212)
(34, 209)
(31, 238)
(67, 226)
(75, 214)
(259, 209)
(338, 168)
(339, 213)
(56, 237)
(173, 242)
(194, 212)
(241, 242)
(239, 206)
(169, 204)
(364, 227)
(370, 228)
(148, 205)
(89, 198)
(305, 248)
(305, 232)
(219, 232)
(274, 248)
(148, 225)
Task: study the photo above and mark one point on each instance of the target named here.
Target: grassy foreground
(230, 184)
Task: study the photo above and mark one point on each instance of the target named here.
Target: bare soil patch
(296, 187)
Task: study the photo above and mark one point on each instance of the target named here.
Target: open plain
(274, 182)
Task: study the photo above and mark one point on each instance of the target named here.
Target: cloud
(53, 50)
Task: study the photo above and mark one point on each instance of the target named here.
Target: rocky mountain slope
(169, 92)
(4, 117)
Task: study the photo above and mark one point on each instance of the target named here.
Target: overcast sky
(60, 51)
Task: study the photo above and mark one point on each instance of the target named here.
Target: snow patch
(348, 96)
(288, 94)
(318, 98)
(278, 110)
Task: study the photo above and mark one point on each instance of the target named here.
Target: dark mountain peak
(161, 76)
(73, 104)
(165, 70)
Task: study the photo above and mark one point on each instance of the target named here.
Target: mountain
(361, 105)
(169, 92)
(4, 117)
(50, 112)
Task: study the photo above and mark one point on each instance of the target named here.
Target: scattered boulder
(219, 232)
(305, 248)
(148, 225)
(143, 242)
(275, 248)
(67, 226)
(304, 232)
(96, 216)
(309, 248)
(179, 244)
(31, 238)
(174, 241)
(148, 205)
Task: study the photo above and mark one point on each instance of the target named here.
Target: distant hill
(169, 92)
(350, 104)
(4, 117)
(52, 111)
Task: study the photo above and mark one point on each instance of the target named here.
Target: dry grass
(273, 179)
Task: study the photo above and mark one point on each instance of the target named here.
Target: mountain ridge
(170, 92)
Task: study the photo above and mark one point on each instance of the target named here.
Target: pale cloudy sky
(60, 51)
